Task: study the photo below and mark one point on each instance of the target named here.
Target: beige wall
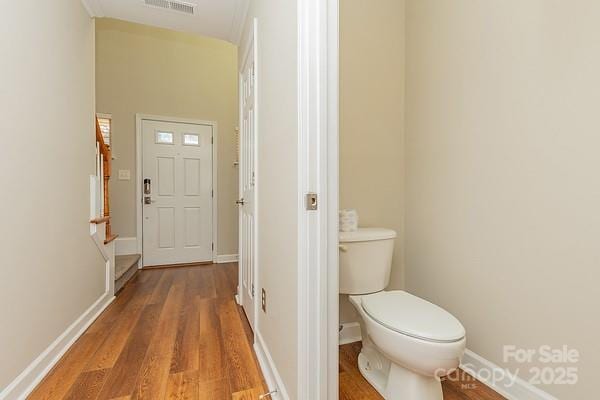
(503, 172)
(372, 120)
(277, 181)
(142, 69)
(51, 269)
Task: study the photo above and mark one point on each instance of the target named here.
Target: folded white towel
(348, 220)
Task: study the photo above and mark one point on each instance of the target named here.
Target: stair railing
(104, 172)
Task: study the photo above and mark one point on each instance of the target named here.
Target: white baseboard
(473, 364)
(24, 384)
(125, 245)
(350, 333)
(226, 258)
(272, 377)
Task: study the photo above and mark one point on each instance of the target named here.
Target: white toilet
(408, 343)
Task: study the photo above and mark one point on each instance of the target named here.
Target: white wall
(277, 180)
(51, 270)
(503, 173)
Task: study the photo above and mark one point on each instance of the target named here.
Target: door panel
(247, 183)
(177, 223)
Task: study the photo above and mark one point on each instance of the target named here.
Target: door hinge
(212, 193)
(212, 246)
(312, 201)
(252, 290)
(212, 140)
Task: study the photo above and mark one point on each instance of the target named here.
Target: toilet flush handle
(343, 247)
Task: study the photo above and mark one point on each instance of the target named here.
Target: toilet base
(394, 382)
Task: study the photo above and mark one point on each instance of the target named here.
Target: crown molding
(238, 20)
(93, 8)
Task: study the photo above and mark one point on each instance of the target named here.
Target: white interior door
(177, 194)
(247, 181)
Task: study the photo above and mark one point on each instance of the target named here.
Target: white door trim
(318, 313)
(332, 174)
(138, 174)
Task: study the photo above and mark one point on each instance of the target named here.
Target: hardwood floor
(171, 334)
(176, 333)
(354, 387)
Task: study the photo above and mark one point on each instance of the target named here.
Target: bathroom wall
(372, 120)
(503, 173)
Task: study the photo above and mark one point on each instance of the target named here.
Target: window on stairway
(105, 122)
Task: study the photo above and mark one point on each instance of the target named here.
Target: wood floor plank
(160, 293)
(214, 390)
(123, 376)
(201, 282)
(249, 394)
(88, 385)
(186, 351)
(131, 295)
(117, 334)
(241, 366)
(223, 286)
(66, 372)
(211, 360)
(183, 386)
(154, 373)
(350, 388)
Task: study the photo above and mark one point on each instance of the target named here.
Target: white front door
(247, 183)
(177, 192)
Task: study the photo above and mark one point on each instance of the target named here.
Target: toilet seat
(412, 316)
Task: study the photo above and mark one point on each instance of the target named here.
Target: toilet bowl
(407, 343)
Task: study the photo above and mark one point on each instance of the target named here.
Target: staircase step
(126, 266)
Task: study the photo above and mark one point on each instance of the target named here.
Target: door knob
(240, 202)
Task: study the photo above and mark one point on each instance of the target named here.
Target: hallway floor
(170, 334)
(354, 387)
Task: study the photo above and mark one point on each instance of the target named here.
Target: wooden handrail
(106, 165)
(104, 149)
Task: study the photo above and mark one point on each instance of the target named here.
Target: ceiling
(220, 19)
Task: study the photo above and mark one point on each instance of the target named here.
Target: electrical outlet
(263, 300)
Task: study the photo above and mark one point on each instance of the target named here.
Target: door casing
(139, 178)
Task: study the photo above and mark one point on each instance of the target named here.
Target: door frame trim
(139, 118)
(318, 287)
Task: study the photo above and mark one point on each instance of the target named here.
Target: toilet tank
(365, 260)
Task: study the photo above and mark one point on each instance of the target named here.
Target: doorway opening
(176, 192)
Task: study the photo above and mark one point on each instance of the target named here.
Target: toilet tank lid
(366, 235)
(412, 316)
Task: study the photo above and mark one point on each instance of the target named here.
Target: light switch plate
(124, 175)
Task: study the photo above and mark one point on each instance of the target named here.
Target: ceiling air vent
(179, 6)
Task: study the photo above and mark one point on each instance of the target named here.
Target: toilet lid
(412, 316)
